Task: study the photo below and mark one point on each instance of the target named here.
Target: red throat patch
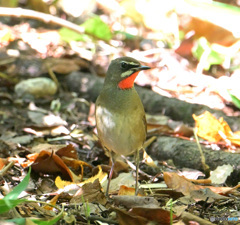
(128, 82)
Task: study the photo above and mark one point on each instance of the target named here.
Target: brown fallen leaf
(90, 192)
(75, 163)
(126, 218)
(178, 183)
(50, 163)
(158, 215)
(124, 190)
(56, 159)
(67, 151)
(181, 184)
(143, 216)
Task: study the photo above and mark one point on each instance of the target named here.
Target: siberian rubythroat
(120, 116)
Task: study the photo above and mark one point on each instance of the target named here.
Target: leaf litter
(56, 140)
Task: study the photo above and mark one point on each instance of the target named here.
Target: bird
(119, 112)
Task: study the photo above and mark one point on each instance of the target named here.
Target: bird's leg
(110, 173)
(137, 168)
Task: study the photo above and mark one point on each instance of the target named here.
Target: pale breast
(123, 132)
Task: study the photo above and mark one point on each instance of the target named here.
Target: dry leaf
(178, 183)
(181, 184)
(126, 218)
(124, 190)
(61, 184)
(90, 192)
(235, 138)
(214, 130)
(101, 176)
(158, 215)
(123, 179)
(208, 127)
(50, 163)
(220, 174)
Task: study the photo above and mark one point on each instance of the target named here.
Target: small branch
(6, 168)
(46, 18)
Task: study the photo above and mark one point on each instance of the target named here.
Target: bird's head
(123, 71)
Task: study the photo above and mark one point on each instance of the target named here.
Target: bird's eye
(124, 65)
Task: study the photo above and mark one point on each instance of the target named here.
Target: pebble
(36, 87)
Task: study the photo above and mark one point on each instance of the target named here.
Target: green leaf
(201, 46)
(97, 28)
(215, 58)
(7, 205)
(235, 100)
(19, 221)
(93, 26)
(11, 199)
(211, 56)
(70, 35)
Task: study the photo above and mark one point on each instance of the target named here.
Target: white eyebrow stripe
(132, 63)
(127, 73)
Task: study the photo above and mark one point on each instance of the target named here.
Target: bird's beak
(143, 68)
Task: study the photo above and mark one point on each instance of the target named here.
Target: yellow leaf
(209, 128)
(213, 130)
(52, 202)
(62, 183)
(100, 175)
(235, 138)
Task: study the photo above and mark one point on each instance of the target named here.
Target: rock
(36, 87)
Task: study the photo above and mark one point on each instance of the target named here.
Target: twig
(6, 168)
(205, 166)
(134, 167)
(53, 76)
(46, 18)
